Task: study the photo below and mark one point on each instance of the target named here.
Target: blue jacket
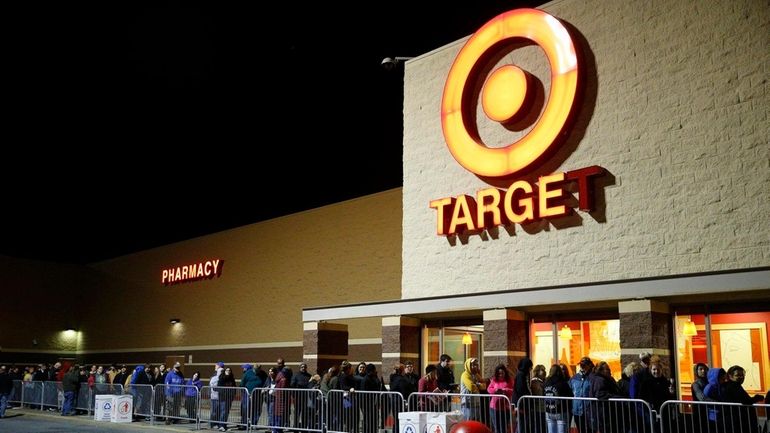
(712, 392)
(137, 371)
(173, 380)
(191, 392)
(581, 386)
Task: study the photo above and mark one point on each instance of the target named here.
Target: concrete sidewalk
(26, 421)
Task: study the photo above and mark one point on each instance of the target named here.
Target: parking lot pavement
(32, 421)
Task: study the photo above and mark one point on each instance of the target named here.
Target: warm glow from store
(547, 32)
(689, 329)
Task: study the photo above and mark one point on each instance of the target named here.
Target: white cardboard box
(122, 408)
(103, 407)
(412, 422)
(442, 422)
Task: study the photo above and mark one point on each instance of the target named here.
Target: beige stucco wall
(680, 119)
(39, 301)
(348, 252)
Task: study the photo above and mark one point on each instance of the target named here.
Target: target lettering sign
(506, 97)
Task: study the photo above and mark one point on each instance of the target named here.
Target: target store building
(584, 179)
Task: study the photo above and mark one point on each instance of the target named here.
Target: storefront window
(459, 342)
(597, 339)
(724, 340)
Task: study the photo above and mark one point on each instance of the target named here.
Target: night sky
(137, 124)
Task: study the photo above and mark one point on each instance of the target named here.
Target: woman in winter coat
(191, 394)
(471, 382)
(226, 396)
(603, 388)
(557, 411)
(499, 408)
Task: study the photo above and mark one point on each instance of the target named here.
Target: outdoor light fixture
(174, 321)
(565, 333)
(467, 339)
(689, 329)
(391, 62)
(69, 329)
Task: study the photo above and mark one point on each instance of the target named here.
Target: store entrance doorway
(461, 342)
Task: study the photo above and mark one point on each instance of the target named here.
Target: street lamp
(391, 62)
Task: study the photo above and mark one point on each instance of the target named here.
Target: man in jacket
(174, 380)
(70, 386)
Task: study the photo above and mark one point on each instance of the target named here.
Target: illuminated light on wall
(520, 204)
(467, 339)
(689, 329)
(456, 112)
(504, 93)
(196, 271)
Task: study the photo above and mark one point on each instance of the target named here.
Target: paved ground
(32, 421)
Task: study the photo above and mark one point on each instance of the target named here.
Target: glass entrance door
(459, 342)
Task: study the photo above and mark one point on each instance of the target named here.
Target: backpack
(551, 405)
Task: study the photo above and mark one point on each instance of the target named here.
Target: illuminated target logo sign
(504, 97)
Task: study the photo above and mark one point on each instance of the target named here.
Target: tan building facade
(673, 260)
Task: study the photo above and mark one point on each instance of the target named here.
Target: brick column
(400, 343)
(323, 345)
(645, 326)
(505, 339)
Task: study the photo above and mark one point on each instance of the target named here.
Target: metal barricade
(362, 411)
(494, 411)
(295, 409)
(32, 394)
(84, 401)
(711, 417)
(171, 399)
(536, 414)
(16, 392)
(53, 395)
(143, 398)
(221, 406)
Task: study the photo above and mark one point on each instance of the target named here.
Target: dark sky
(137, 124)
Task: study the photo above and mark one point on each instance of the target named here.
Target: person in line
(300, 381)
(250, 381)
(557, 411)
(429, 384)
(214, 417)
(743, 418)
(581, 386)
(501, 383)
(6, 386)
(191, 393)
(471, 382)
(655, 389)
(603, 388)
(70, 386)
(226, 396)
(174, 392)
(698, 388)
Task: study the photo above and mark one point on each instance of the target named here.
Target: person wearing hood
(700, 416)
(250, 381)
(471, 382)
(140, 389)
(711, 392)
